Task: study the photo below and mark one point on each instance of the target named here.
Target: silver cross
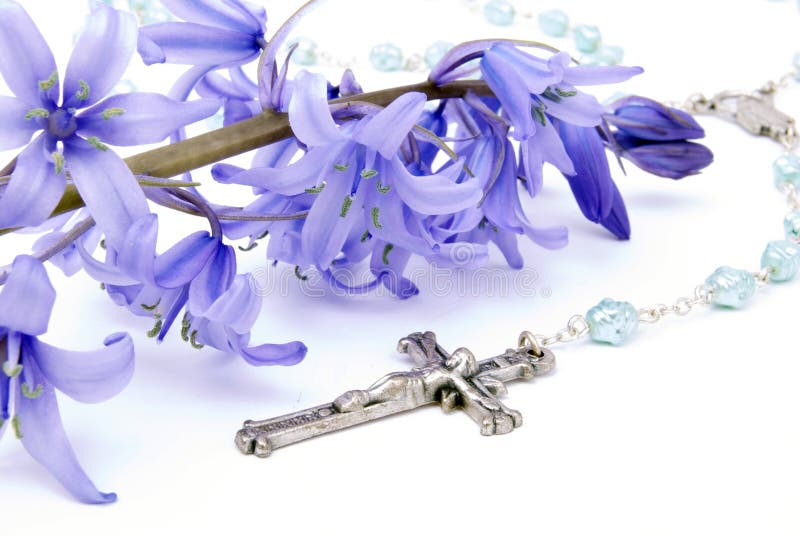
(454, 380)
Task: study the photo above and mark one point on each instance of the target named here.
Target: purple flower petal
(591, 184)
(277, 154)
(25, 58)
(194, 44)
(214, 85)
(103, 272)
(507, 242)
(293, 179)
(507, 84)
(385, 131)
(330, 219)
(137, 253)
(285, 355)
(86, 376)
(389, 267)
(538, 74)
(647, 119)
(183, 87)
(586, 75)
(617, 220)
(544, 146)
(108, 188)
(236, 308)
(27, 298)
(230, 14)
(15, 130)
(580, 109)
(555, 237)
(145, 118)
(34, 189)
(213, 281)
(673, 160)
(309, 114)
(44, 438)
(435, 194)
(100, 56)
(181, 263)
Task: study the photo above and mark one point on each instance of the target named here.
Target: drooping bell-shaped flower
(353, 180)
(33, 370)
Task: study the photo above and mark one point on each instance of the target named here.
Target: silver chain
(578, 326)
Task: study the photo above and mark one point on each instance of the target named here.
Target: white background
(689, 429)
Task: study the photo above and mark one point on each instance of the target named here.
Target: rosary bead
(731, 287)
(791, 225)
(612, 322)
(435, 52)
(386, 57)
(554, 23)
(587, 38)
(782, 259)
(786, 170)
(306, 52)
(499, 12)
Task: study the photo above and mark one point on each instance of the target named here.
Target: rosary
(346, 185)
(458, 380)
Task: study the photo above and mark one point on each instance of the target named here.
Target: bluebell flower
(654, 137)
(217, 34)
(592, 185)
(648, 119)
(197, 277)
(533, 92)
(355, 184)
(71, 144)
(671, 159)
(32, 370)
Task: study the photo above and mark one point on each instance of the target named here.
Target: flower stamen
(47, 85)
(32, 395)
(37, 112)
(83, 93)
(108, 113)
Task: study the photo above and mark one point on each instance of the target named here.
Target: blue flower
(534, 92)
(32, 370)
(72, 143)
(360, 195)
(196, 276)
(655, 138)
(217, 34)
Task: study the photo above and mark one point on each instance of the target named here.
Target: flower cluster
(342, 181)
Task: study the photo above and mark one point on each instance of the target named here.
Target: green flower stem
(248, 135)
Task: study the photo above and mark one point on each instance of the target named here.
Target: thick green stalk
(268, 127)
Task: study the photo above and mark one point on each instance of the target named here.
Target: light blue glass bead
(786, 170)
(612, 322)
(435, 52)
(791, 225)
(731, 287)
(305, 53)
(796, 64)
(587, 38)
(782, 259)
(611, 55)
(386, 57)
(554, 23)
(499, 12)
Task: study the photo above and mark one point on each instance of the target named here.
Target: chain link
(578, 327)
(681, 307)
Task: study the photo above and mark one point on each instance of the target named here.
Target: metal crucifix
(454, 380)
